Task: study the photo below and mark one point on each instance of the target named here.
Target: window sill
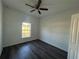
(25, 37)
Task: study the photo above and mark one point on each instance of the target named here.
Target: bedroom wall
(0, 27)
(55, 29)
(12, 27)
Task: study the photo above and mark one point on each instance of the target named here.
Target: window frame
(26, 24)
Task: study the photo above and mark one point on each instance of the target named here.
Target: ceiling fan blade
(30, 5)
(38, 4)
(39, 12)
(32, 10)
(44, 9)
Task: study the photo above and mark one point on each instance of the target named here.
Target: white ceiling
(54, 6)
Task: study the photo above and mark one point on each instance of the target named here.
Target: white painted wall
(55, 29)
(0, 27)
(12, 27)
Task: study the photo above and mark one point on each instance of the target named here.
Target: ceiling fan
(37, 7)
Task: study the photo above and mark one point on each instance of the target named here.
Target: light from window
(26, 30)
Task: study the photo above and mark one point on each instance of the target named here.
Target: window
(26, 30)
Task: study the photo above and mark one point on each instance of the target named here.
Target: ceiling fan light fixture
(37, 7)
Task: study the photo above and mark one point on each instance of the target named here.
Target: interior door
(74, 38)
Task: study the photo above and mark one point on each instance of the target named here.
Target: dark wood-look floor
(33, 50)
